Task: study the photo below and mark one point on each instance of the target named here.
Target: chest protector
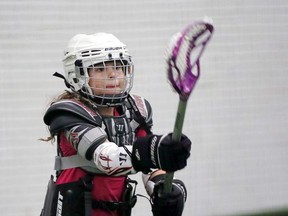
(119, 130)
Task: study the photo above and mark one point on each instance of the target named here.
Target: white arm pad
(149, 185)
(113, 160)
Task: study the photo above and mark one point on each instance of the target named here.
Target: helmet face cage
(100, 68)
(107, 82)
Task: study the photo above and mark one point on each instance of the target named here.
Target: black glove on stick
(171, 203)
(154, 151)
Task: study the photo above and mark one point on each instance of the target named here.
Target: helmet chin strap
(67, 84)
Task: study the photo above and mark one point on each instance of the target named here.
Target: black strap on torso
(87, 184)
(129, 200)
(141, 119)
(113, 206)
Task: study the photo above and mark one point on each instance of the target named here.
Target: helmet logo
(112, 48)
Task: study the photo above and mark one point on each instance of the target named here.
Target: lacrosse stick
(183, 68)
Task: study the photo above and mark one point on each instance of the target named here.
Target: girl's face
(107, 78)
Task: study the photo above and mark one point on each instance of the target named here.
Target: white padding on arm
(113, 160)
(93, 137)
(149, 185)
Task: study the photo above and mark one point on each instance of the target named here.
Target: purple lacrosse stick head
(184, 81)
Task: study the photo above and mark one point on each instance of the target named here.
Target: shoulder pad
(144, 108)
(67, 113)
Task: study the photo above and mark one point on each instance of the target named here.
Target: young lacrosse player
(104, 135)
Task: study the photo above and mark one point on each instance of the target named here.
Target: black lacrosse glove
(160, 152)
(171, 203)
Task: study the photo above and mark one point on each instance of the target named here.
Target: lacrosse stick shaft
(192, 40)
(176, 136)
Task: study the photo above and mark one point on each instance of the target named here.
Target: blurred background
(237, 116)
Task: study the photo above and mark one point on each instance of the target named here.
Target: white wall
(237, 116)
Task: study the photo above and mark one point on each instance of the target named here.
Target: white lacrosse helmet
(86, 51)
